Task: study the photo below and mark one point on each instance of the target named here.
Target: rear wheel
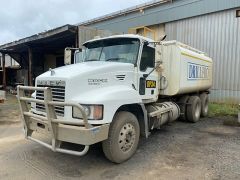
(123, 137)
(193, 109)
(204, 104)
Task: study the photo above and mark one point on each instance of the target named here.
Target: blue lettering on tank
(197, 71)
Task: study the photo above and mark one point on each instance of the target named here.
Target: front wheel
(123, 137)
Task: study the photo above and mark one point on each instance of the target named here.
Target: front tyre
(123, 137)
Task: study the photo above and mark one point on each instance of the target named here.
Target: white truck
(120, 87)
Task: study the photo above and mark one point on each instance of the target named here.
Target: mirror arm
(146, 75)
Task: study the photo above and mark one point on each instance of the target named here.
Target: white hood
(84, 69)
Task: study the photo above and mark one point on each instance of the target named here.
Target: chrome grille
(58, 94)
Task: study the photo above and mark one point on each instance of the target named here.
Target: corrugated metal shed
(218, 34)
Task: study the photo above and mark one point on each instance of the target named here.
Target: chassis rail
(59, 129)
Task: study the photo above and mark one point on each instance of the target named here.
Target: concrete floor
(205, 150)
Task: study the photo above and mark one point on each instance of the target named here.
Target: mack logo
(197, 71)
(150, 84)
(51, 83)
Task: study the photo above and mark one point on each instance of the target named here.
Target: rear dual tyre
(197, 107)
(193, 109)
(204, 104)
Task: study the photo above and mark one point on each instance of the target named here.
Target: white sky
(22, 18)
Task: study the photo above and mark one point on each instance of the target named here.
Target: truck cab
(131, 49)
(114, 93)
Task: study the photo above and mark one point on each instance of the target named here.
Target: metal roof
(40, 37)
(126, 11)
(158, 13)
(47, 42)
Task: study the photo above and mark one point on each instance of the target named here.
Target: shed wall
(217, 34)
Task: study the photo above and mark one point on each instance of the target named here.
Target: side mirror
(67, 56)
(146, 43)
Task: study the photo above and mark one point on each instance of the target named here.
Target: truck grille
(58, 94)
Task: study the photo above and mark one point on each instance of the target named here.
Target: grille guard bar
(50, 119)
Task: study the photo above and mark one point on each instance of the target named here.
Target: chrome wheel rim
(126, 137)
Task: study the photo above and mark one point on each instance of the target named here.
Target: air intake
(120, 77)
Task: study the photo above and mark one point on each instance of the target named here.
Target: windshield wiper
(92, 60)
(114, 59)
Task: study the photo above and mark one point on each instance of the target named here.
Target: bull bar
(60, 130)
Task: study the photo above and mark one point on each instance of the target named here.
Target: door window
(148, 58)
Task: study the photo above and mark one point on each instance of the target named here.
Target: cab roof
(134, 36)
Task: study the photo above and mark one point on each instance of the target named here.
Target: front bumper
(59, 130)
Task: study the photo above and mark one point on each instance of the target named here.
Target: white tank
(185, 69)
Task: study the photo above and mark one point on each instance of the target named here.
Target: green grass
(216, 109)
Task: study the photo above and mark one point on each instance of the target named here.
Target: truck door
(148, 83)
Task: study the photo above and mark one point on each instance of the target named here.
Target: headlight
(93, 112)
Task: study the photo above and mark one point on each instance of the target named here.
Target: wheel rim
(127, 137)
(198, 110)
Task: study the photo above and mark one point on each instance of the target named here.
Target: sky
(22, 18)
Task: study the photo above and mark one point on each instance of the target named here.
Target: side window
(148, 58)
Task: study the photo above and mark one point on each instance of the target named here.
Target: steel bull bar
(60, 130)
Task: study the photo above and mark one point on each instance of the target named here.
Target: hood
(84, 79)
(86, 68)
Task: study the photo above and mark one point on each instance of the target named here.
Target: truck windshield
(123, 50)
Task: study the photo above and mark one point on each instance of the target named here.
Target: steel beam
(30, 79)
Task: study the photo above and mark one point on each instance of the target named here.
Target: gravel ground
(205, 150)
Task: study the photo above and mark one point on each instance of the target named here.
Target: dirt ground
(205, 150)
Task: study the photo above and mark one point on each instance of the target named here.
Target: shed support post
(77, 38)
(4, 71)
(30, 79)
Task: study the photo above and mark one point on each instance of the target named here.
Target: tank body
(185, 69)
